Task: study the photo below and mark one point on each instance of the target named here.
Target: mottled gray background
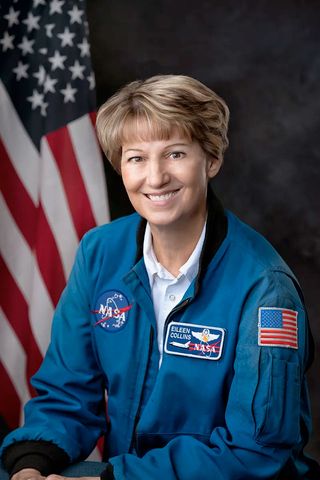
(263, 57)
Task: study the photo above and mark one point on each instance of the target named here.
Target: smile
(162, 197)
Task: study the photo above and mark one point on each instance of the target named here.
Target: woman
(197, 331)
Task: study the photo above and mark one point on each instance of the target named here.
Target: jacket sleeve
(266, 411)
(69, 410)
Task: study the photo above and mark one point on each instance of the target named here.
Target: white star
(92, 81)
(49, 29)
(84, 47)
(66, 37)
(57, 60)
(49, 84)
(44, 51)
(32, 22)
(12, 17)
(36, 3)
(6, 42)
(36, 99)
(40, 75)
(75, 15)
(26, 46)
(21, 71)
(56, 6)
(68, 93)
(77, 70)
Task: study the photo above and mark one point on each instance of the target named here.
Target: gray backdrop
(263, 58)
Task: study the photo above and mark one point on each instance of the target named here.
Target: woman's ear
(213, 165)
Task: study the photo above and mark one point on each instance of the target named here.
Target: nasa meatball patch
(198, 341)
(112, 311)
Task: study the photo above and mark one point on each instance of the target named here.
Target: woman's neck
(174, 246)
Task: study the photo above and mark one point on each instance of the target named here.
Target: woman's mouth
(161, 197)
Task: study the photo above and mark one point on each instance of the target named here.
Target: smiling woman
(197, 335)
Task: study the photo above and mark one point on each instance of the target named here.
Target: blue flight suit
(225, 410)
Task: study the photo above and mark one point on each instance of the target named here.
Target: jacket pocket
(278, 413)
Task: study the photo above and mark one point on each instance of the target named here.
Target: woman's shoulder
(118, 232)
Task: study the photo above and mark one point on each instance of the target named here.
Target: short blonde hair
(161, 103)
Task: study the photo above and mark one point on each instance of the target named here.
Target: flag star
(77, 70)
(44, 51)
(36, 3)
(75, 15)
(84, 47)
(49, 84)
(92, 81)
(21, 70)
(26, 46)
(49, 29)
(12, 17)
(32, 22)
(56, 6)
(57, 60)
(66, 37)
(6, 42)
(36, 99)
(40, 75)
(68, 93)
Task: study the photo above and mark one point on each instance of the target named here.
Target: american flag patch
(278, 327)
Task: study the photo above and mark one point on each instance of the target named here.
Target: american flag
(278, 327)
(51, 177)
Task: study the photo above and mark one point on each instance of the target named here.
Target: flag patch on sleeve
(278, 327)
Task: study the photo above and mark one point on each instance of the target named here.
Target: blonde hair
(161, 103)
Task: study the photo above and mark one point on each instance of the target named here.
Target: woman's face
(166, 180)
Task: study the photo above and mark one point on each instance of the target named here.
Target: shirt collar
(153, 267)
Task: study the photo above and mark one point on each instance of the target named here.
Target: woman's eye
(176, 155)
(135, 159)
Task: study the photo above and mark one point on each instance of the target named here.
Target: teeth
(159, 198)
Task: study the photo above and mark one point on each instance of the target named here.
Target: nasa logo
(198, 341)
(111, 311)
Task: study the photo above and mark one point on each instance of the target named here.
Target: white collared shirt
(168, 290)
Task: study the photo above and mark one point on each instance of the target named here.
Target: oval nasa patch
(112, 311)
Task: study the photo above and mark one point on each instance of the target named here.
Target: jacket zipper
(137, 417)
(176, 309)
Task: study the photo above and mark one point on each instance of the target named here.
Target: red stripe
(289, 312)
(10, 404)
(78, 200)
(282, 337)
(278, 330)
(93, 117)
(48, 257)
(278, 342)
(17, 198)
(16, 311)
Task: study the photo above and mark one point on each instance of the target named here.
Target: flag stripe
(10, 404)
(15, 250)
(87, 151)
(16, 310)
(63, 152)
(13, 357)
(19, 146)
(275, 342)
(56, 208)
(46, 249)
(21, 206)
(23, 268)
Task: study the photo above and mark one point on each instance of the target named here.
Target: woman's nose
(157, 173)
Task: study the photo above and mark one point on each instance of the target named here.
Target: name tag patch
(191, 340)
